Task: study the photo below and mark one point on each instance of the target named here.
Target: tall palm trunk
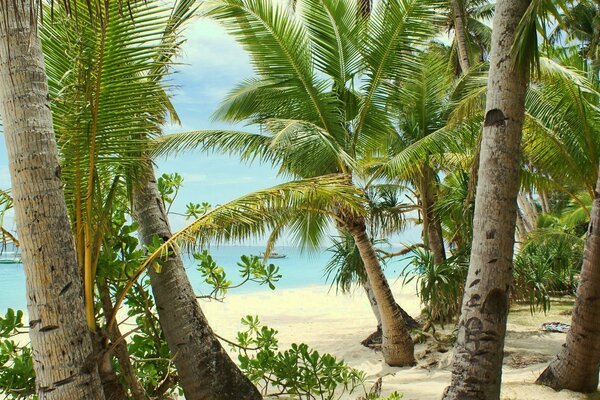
(396, 344)
(61, 342)
(205, 370)
(478, 353)
(460, 34)
(577, 365)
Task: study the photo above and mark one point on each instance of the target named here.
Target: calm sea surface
(298, 269)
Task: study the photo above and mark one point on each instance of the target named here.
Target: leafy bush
(439, 287)
(300, 371)
(252, 269)
(17, 378)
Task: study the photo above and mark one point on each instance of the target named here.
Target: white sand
(336, 324)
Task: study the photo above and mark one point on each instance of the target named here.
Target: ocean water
(298, 269)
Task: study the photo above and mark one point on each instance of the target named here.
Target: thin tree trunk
(121, 352)
(111, 386)
(478, 352)
(397, 345)
(521, 233)
(546, 209)
(432, 228)
(61, 342)
(577, 365)
(205, 370)
(530, 214)
(460, 35)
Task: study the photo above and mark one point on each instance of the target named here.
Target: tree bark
(397, 345)
(205, 370)
(460, 35)
(530, 214)
(61, 342)
(577, 365)
(478, 352)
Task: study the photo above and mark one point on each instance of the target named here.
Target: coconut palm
(61, 343)
(323, 78)
(482, 326)
(119, 68)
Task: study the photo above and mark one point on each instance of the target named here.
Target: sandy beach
(337, 323)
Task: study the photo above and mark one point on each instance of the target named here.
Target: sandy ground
(336, 324)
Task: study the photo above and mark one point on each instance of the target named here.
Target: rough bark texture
(478, 353)
(61, 342)
(397, 346)
(205, 370)
(460, 35)
(577, 365)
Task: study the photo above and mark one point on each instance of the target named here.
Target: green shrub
(17, 378)
(300, 372)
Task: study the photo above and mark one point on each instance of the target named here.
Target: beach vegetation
(488, 144)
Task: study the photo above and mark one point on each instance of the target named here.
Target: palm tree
(385, 216)
(323, 80)
(482, 326)
(103, 157)
(62, 348)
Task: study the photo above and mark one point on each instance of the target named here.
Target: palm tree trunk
(460, 35)
(530, 214)
(478, 352)
(62, 346)
(205, 370)
(577, 365)
(397, 345)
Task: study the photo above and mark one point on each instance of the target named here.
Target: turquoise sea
(298, 269)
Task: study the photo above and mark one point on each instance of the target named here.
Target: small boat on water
(10, 257)
(274, 255)
(10, 261)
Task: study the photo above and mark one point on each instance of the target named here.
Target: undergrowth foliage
(299, 371)
(17, 379)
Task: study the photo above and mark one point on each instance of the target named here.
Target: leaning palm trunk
(61, 342)
(577, 365)
(205, 370)
(478, 353)
(396, 343)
